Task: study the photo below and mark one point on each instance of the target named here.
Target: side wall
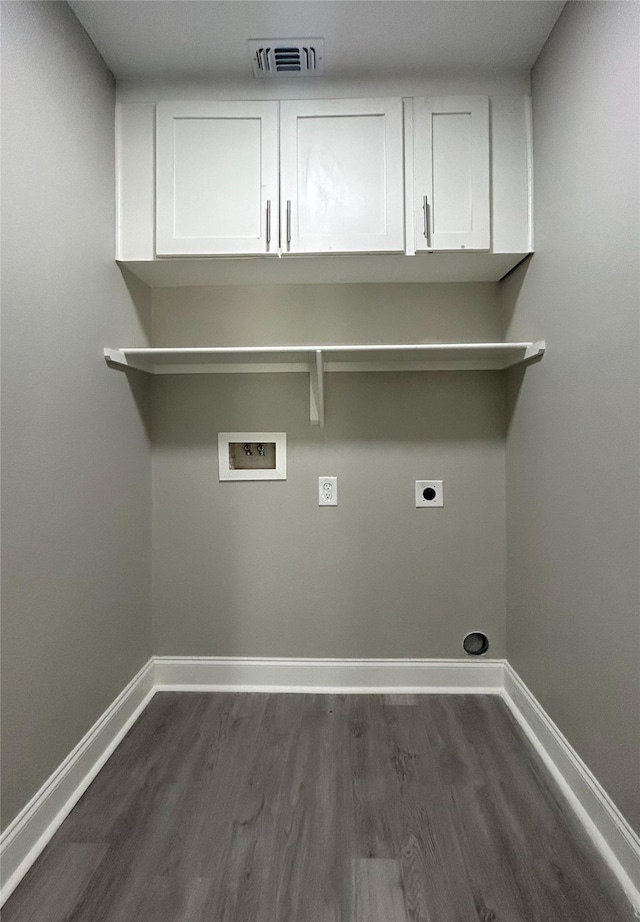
(258, 569)
(573, 445)
(76, 458)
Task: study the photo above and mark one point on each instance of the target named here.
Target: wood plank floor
(321, 808)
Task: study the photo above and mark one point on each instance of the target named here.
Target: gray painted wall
(76, 458)
(258, 568)
(573, 445)
(310, 314)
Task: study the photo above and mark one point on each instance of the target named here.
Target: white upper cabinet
(216, 178)
(451, 200)
(341, 176)
(444, 176)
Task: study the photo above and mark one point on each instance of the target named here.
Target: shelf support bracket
(115, 357)
(316, 391)
(534, 351)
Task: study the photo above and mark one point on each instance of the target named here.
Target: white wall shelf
(316, 360)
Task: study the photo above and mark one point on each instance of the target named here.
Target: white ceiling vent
(287, 57)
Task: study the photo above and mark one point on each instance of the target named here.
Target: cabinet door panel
(216, 201)
(341, 172)
(451, 150)
(452, 173)
(341, 187)
(216, 173)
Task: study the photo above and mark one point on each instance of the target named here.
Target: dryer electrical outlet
(429, 493)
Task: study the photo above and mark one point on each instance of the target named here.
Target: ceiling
(363, 39)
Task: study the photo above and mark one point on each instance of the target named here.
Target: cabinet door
(216, 178)
(451, 173)
(341, 175)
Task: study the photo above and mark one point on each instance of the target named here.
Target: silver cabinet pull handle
(288, 222)
(268, 222)
(425, 207)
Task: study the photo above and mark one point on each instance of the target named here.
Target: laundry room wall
(76, 496)
(573, 443)
(257, 568)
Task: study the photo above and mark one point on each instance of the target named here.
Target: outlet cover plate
(327, 491)
(433, 490)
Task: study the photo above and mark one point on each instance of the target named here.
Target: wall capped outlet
(429, 493)
(327, 491)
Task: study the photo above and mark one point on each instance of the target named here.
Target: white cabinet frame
(510, 216)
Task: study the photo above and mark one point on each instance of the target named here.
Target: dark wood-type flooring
(321, 808)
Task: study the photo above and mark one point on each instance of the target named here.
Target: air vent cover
(287, 57)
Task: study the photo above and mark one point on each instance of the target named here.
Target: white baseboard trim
(24, 839)
(608, 829)
(265, 674)
(27, 835)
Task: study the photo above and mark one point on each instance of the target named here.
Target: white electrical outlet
(429, 493)
(327, 491)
